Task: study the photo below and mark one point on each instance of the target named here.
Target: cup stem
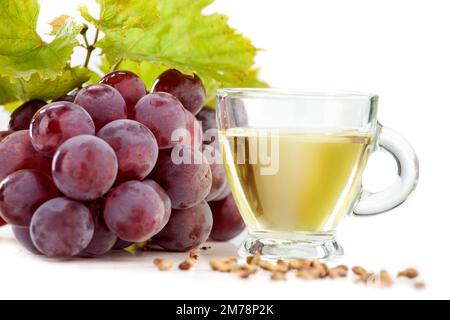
(274, 246)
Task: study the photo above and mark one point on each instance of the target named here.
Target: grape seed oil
(294, 181)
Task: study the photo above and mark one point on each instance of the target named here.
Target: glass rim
(289, 93)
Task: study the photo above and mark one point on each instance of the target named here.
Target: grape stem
(90, 47)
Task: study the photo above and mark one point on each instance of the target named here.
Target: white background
(398, 49)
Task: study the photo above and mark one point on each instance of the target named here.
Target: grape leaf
(22, 52)
(182, 38)
(18, 27)
(41, 88)
(119, 14)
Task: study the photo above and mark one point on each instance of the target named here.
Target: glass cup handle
(408, 175)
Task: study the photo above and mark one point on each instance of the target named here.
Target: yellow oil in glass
(315, 183)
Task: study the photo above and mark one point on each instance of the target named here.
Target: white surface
(397, 49)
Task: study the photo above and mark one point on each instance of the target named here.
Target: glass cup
(295, 163)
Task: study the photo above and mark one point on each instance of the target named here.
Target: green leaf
(119, 14)
(182, 38)
(18, 27)
(22, 52)
(31, 68)
(41, 88)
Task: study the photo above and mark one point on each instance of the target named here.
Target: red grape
(16, 153)
(195, 137)
(2, 222)
(208, 118)
(62, 228)
(211, 138)
(228, 222)
(103, 103)
(134, 211)
(22, 192)
(4, 134)
(69, 97)
(186, 229)
(224, 193)
(57, 122)
(21, 117)
(166, 200)
(85, 168)
(188, 89)
(22, 235)
(130, 86)
(103, 239)
(187, 184)
(135, 146)
(163, 114)
(219, 177)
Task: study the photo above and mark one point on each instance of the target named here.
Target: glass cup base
(291, 246)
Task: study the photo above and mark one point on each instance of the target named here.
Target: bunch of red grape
(110, 164)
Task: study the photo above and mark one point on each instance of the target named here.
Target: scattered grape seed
(187, 264)
(359, 271)
(299, 264)
(245, 271)
(420, 286)
(304, 269)
(282, 266)
(163, 265)
(223, 265)
(267, 266)
(409, 273)
(385, 279)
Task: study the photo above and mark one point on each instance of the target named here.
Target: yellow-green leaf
(40, 88)
(185, 39)
(12, 106)
(22, 52)
(18, 26)
(119, 14)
